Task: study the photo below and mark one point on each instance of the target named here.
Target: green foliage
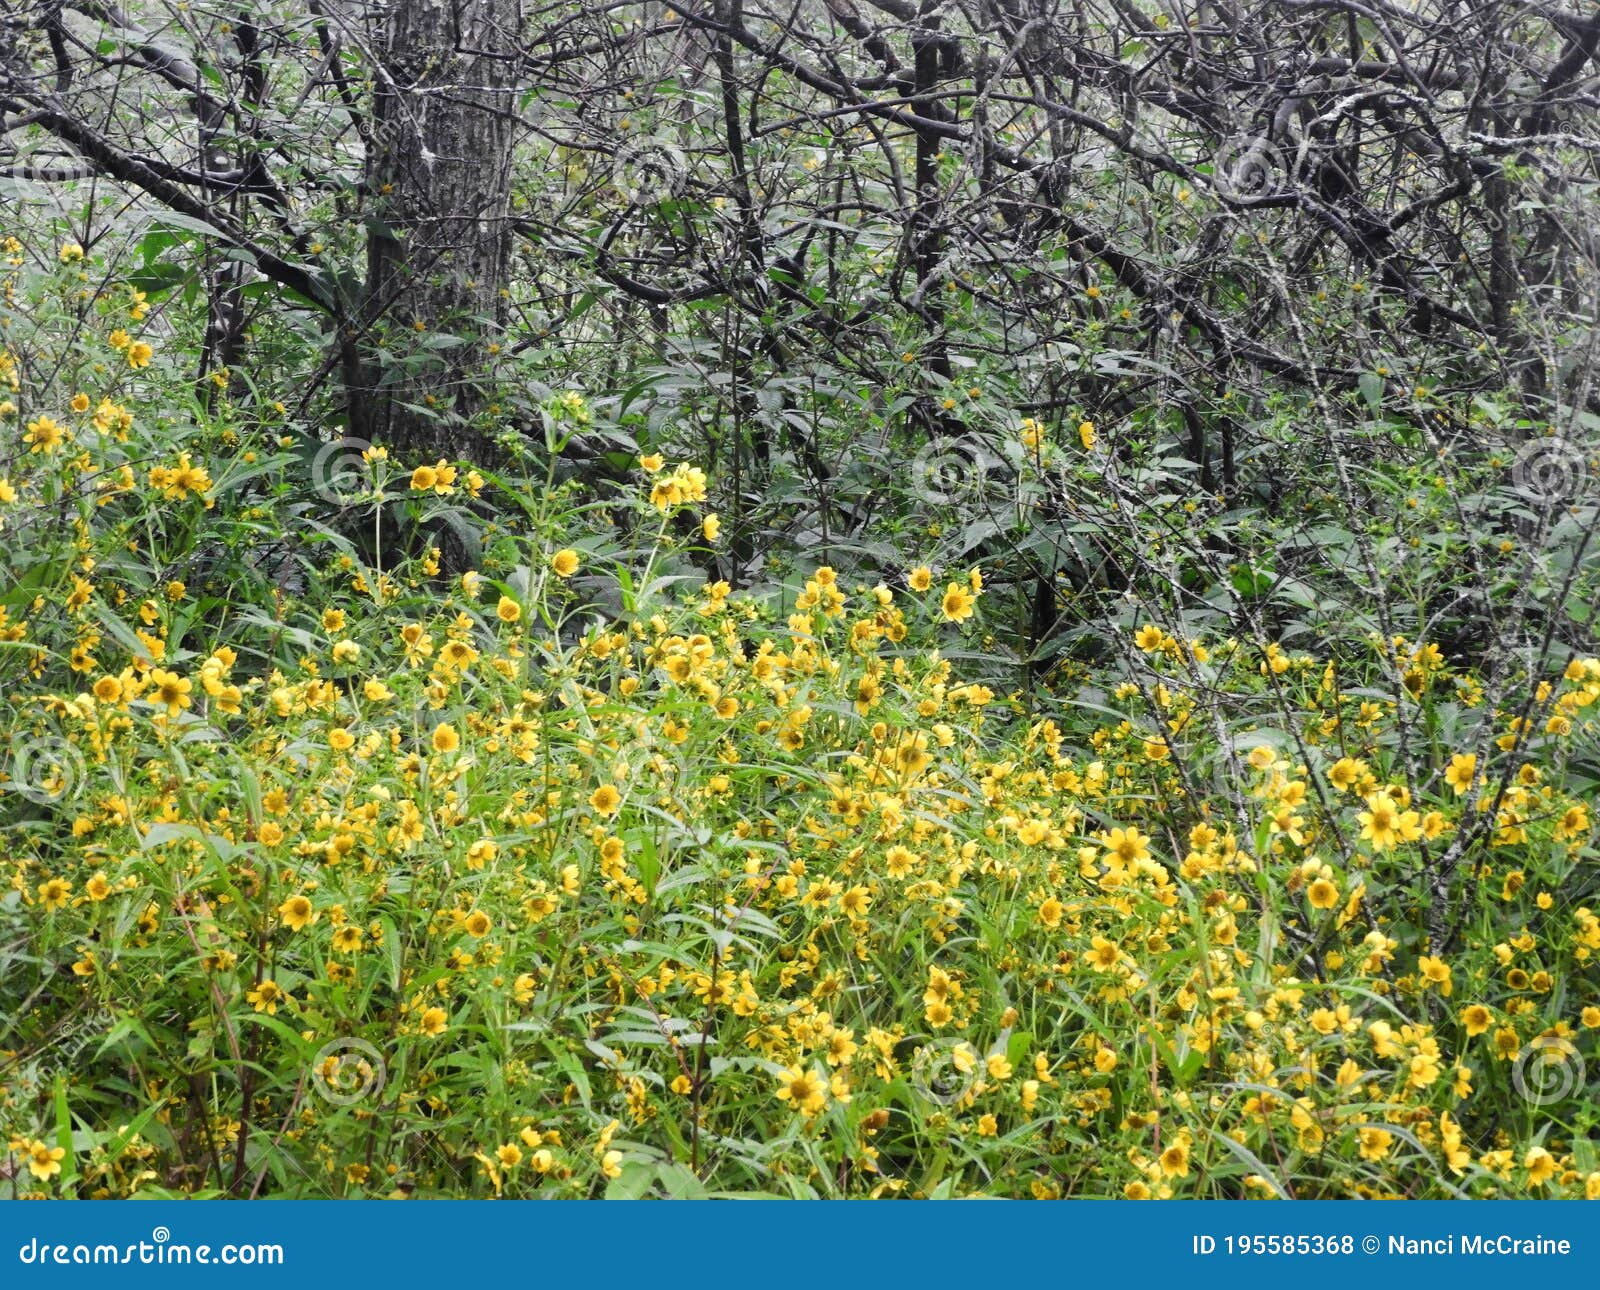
(332, 872)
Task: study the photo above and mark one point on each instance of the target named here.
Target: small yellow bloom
(1175, 1160)
(54, 894)
(44, 1162)
(957, 603)
(802, 1090)
(267, 996)
(1463, 766)
(297, 913)
(1322, 894)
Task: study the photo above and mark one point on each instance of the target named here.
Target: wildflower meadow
(811, 730)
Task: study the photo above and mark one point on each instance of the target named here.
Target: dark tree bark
(438, 249)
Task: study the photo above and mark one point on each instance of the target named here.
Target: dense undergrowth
(580, 874)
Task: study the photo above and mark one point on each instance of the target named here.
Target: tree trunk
(438, 245)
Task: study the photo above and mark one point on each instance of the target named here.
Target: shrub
(580, 874)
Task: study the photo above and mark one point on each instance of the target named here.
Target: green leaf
(69, 1163)
(1371, 386)
(633, 1182)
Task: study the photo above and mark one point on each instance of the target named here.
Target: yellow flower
(297, 913)
(170, 691)
(70, 253)
(54, 894)
(267, 996)
(1385, 825)
(1463, 766)
(1086, 435)
(605, 799)
(175, 482)
(439, 478)
(139, 355)
(921, 578)
(652, 463)
(1541, 1166)
(44, 435)
(508, 610)
(1476, 1019)
(1175, 1160)
(1103, 954)
(444, 738)
(957, 603)
(434, 1021)
(802, 1090)
(1127, 846)
(1435, 972)
(1345, 773)
(1322, 894)
(44, 1162)
(565, 563)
